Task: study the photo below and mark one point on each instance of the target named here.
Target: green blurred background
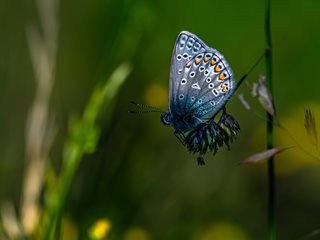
(141, 179)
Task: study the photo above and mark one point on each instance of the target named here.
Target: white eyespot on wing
(201, 69)
(196, 47)
(183, 40)
(185, 55)
(192, 74)
(215, 92)
(183, 81)
(190, 43)
(196, 86)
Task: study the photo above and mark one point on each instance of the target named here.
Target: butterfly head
(167, 119)
(180, 122)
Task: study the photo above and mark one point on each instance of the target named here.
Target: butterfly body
(201, 83)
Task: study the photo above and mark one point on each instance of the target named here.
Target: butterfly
(201, 83)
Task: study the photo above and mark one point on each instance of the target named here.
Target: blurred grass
(83, 138)
(140, 175)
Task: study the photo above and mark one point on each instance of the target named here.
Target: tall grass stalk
(83, 138)
(271, 167)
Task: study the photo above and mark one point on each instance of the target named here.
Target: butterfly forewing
(186, 47)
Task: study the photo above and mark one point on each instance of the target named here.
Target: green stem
(52, 228)
(271, 169)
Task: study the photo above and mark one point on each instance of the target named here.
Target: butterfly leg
(180, 137)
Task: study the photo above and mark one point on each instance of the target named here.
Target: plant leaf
(261, 91)
(258, 157)
(310, 125)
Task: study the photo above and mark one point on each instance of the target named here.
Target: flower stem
(271, 168)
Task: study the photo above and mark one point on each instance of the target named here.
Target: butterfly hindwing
(201, 80)
(216, 85)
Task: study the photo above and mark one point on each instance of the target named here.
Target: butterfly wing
(186, 47)
(202, 82)
(212, 85)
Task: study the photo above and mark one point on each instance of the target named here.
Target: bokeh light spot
(224, 231)
(156, 95)
(136, 233)
(293, 159)
(100, 229)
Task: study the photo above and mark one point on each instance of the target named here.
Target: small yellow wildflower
(100, 229)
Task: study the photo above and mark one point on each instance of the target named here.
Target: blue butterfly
(201, 83)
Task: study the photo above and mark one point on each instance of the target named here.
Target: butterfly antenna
(143, 108)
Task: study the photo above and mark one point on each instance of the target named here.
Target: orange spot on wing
(197, 61)
(217, 68)
(222, 77)
(206, 59)
(212, 62)
(224, 88)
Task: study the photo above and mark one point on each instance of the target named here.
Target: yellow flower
(100, 229)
